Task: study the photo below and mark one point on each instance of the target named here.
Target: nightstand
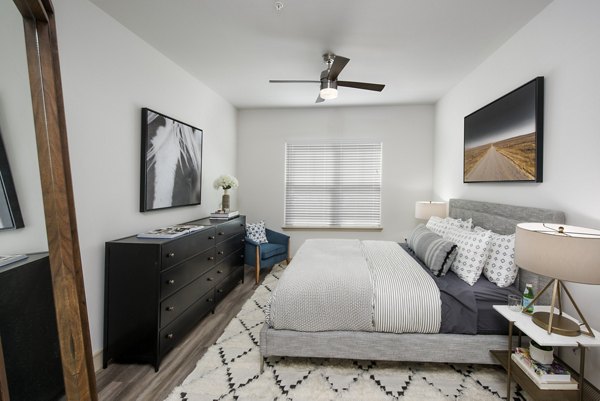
(524, 323)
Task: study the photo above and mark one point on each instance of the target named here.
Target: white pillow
(256, 232)
(472, 253)
(441, 226)
(500, 267)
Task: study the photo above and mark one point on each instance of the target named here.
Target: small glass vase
(225, 201)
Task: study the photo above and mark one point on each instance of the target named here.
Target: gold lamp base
(560, 324)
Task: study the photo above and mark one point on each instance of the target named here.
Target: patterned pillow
(437, 253)
(441, 226)
(500, 267)
(437, 225)
(256, 232)
(472, 254)
(466, 224)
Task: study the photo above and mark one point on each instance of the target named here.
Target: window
(333, 185)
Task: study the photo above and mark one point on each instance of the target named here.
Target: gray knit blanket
(336, 284)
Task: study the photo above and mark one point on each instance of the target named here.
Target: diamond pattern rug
(229, 370)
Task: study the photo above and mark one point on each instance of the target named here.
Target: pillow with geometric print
(256, 232)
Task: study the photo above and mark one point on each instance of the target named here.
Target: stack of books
(547, 377)
(171, 232)
(224, 215)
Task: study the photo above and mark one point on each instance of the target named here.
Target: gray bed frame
(453, 348)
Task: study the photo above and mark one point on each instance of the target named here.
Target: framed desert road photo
(503, 141)
(171, 168)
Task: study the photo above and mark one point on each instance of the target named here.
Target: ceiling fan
(329, 79)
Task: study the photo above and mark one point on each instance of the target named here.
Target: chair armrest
(277, 238)
(251, 241)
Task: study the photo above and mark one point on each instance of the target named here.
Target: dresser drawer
(174, 332)
(187, 246)
(228, 246)
(229, 228)
(228, 283)
(182, 274)
(177, 303)
(227, 265)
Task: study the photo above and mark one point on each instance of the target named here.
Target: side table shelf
(529, 386)
(526, 326)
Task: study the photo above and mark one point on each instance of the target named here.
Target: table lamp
(562, 253)
(425, 209)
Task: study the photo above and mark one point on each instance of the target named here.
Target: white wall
(18, 135)
(406, 133)
(561, 44)
(108, 75)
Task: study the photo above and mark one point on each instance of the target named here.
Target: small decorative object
(541, 353)
(226, 182)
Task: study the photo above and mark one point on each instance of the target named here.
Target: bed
(370, 344)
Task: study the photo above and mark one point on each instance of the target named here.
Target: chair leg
(288, 260)
(257, 264)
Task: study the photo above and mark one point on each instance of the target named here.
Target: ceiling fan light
(328, 93)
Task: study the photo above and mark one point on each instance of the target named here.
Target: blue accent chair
(268, 254)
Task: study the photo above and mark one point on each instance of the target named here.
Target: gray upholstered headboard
(503, 219)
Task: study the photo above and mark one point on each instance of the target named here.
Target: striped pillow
(436, 252)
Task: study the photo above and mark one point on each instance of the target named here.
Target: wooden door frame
(57, 191)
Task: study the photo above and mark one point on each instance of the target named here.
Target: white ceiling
(419, 48)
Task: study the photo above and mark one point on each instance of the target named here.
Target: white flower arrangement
(226, 182)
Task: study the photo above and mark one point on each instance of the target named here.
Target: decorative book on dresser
(157, 290)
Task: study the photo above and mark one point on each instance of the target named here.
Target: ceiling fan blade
(338, 65)
(319, 99)
(361, 85)
(287, 81)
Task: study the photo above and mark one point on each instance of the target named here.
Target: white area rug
(230, 371)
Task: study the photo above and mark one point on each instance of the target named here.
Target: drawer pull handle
(171, 281)
(171, 255)
(221, 232)
(220, 253)
(209, 279)
(209, 300)
(242, 256)
(211, 258)
(211, 237)
(220, 291)
(219, 271)
(243, 240)
(241, 224)
(170, 308)
(169, 336)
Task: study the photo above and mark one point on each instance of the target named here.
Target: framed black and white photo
(171, 170)
(10, 212)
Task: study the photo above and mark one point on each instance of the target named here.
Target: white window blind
(333, 185)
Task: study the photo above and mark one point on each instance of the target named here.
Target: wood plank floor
(140, 383)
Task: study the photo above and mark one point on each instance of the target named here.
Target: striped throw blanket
(334, 284)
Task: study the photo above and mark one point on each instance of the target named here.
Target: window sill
(328, 228)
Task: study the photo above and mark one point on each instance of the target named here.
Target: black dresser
(157, 290)
(28, 330)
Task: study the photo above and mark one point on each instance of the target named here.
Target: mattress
(468, 309)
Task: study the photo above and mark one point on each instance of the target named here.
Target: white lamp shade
(425, 209)
(571, 254)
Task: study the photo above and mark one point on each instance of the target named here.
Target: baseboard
(97, 358)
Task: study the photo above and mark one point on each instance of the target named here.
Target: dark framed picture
(171, 170)
(10, 212)
(503, 140)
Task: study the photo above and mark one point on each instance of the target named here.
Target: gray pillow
(436, 252)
